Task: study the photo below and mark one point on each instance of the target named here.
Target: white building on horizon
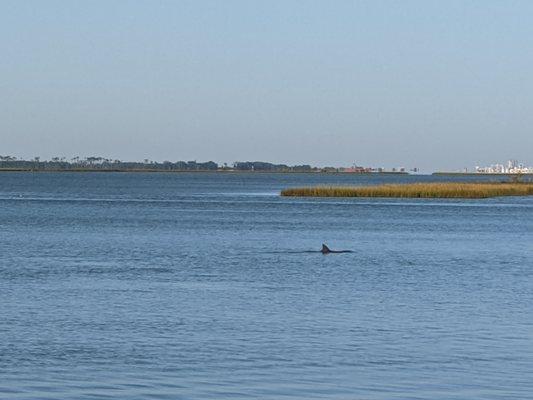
(512, 167)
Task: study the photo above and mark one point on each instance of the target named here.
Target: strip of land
(214, 171)
(101, 164)
(508, 174)
(455, 190)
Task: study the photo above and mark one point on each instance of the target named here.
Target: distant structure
(512, 167)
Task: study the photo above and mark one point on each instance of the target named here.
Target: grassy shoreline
(457, 190)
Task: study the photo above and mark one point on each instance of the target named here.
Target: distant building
(513, 167)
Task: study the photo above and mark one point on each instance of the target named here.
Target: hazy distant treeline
(264, 166)
(105, 164)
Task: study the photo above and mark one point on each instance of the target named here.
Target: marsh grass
(418, 190)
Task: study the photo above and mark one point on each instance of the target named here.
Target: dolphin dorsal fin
(325, 249)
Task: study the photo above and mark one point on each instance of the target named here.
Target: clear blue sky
(433, 84)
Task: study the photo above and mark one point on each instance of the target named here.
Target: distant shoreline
(478, 174)
(82, 170)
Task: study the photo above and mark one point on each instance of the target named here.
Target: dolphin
(327, 250)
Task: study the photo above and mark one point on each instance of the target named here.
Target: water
(189, 286)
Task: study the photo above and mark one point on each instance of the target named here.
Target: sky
(438, 85)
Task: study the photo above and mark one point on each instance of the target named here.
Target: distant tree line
(106, 164)
(265, 166)
(101, 163)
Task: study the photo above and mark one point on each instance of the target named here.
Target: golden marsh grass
(455, 190)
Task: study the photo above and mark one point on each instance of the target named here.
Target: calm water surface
(202, 286)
